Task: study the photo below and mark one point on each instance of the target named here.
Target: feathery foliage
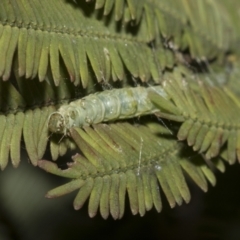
(119, 158)
(210, 115)
(206, 27)
(53, 52)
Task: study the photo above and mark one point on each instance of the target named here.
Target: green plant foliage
(26, 106)
(209, 115)
(201, 25)
(55, 52)
(119, 158)
(65, 32)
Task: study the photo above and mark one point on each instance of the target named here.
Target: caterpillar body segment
(104, 106)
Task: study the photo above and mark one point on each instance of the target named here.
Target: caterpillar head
(56, 123)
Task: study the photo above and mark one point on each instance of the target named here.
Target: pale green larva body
(104, 106)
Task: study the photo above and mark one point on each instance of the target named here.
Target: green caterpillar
(103, 107)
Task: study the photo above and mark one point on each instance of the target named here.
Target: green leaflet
(25, 108)
(119, 158)
(64, 34)
(211, 116)
(200, 25)
(197, 106)
(71, 33)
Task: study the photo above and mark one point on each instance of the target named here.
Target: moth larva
(104, 106)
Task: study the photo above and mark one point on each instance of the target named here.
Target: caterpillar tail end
(56, 123)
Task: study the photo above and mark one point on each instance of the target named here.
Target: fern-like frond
(69, 33)
(29, 30)
(200, 26)
(27, 112)
(30, 126)
(25, 107)
(121, 158)
(211, 115)
(59, 50)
